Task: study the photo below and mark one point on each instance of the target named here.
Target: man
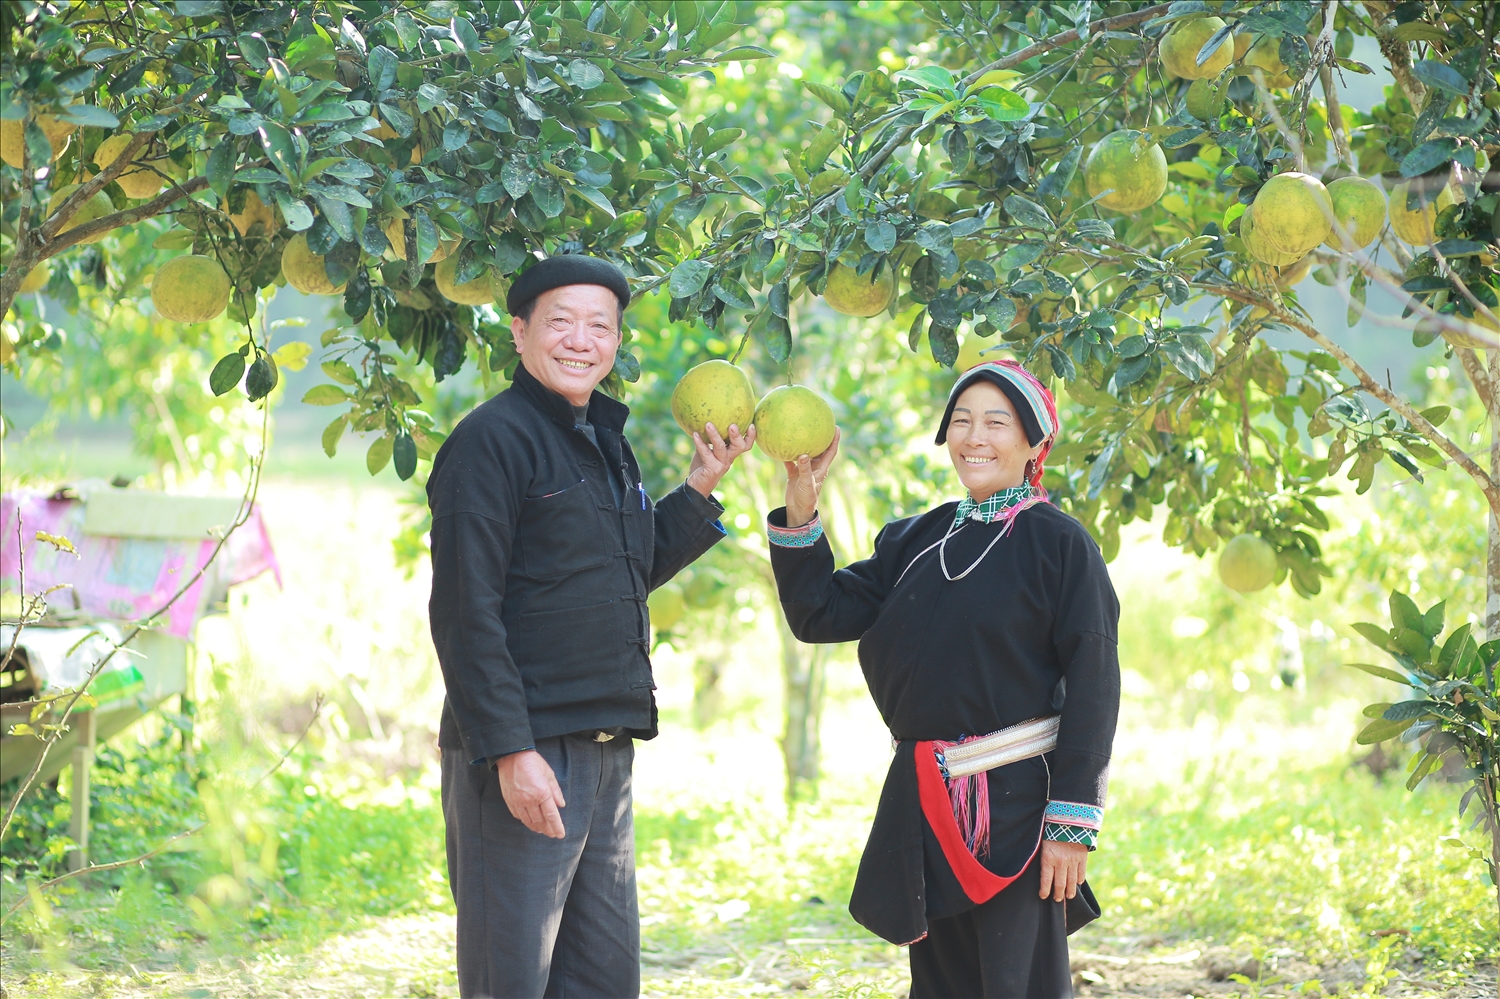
(544, 548)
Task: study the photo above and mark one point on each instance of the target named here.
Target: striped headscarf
(1034, 404)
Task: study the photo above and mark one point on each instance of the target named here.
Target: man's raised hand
(713, 456)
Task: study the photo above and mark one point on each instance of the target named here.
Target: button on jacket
(540, 578)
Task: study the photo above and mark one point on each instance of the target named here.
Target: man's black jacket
(539, 579)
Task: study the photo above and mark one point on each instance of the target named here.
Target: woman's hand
(1062, 868)
(712, 457)
(804, 482)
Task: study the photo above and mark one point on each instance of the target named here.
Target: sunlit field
(1244, 852)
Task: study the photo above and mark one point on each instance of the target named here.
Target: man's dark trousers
(540, 916)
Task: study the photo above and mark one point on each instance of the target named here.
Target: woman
(987, 632)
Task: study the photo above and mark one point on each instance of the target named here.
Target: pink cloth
(123, 578)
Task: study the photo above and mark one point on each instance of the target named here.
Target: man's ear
(518, 333)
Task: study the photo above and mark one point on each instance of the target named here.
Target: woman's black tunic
(1030, 632)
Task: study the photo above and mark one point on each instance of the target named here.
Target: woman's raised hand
(804, 482)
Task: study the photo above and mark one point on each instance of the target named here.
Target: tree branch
(1397, 53)
(129, 216)
(1473, 366)
(89, 188)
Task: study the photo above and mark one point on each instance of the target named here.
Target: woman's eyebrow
(997, 412)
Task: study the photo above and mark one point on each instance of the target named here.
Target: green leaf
(627, 366)
(829, 96)
(1428, 156)
(382, 66)
(220, 168)
(261, 378)
(277, 142)
(880, 236)
(1027, 213)
(1381, 730)
(596, 198)
(309, 49)
(548, 195)
(1404, 613)
(292, 356)
(404, 450)
(1441, 76)
(999, 104)
(379, 453)
(585, 75)
(174, 239)
(333, 433)
(931, 78)
(1432, 621)
(325, 395)
(688, 278)
(226, 373)
(1407, 710)
(1374, 634)
(1384, 672)
(775, 334)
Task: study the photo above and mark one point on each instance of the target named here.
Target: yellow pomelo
(855, 294)
(668, 607)
(386, 132)
(1179, 49)
(1416, 227)
(1205, 100)
(1247, 563)
(1242, 43)
(13, 137)
(304, 269)
(1265, 55)
(35, 279)
(255, 213)
(476, 292)
(1134, 172)
(395, 231)
(1293, 212)
(714, 392)
(96, 207)
(59, 133)
(791, 421)
(190, 289)
(1358, 206)
(138, 180)
(1465, 339)
(1258, 246)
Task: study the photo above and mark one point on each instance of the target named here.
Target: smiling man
(544, 548)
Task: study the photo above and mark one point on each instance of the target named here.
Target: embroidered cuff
(1072, 822)
(796, 537)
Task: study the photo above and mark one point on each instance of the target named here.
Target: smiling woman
(991, 615)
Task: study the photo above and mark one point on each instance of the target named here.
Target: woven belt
(1018, 742)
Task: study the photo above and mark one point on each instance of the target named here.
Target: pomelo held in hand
(1130, 167)
(714, 392)
(304, 269)
(791, 421)
(1293, 213)
(856, 294)
(1358, 206)
(476, 292)
(1179, 49)
(1247, 563)
(190, 289)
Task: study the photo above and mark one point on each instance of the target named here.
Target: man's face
(569, 343)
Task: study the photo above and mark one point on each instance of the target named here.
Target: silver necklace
(941, 545)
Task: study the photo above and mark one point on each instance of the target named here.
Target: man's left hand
(712, 457)
(1062, 868)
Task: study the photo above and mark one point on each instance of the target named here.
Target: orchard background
(762, 170)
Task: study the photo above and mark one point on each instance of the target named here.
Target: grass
(1263, 853)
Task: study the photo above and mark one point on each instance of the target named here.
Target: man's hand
(1062, 868)
(531, 792)
(712, 457)
(804, 483)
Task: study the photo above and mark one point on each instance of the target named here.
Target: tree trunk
(803, 680)
(708, 697)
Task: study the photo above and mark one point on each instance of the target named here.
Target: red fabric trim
(977, 881)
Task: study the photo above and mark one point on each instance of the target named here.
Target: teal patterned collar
(990, 510)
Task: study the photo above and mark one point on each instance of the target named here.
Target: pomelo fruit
(1134, 172)
(475, 292)
(1293, 212)
(385, 133)
(36, 279)
(139, 180)
(1259, 247)
(714, 392)
(1464, 339)
(1179, 49)
(1242, 43)
(96, 207)
(1416, 227)
(1205, 100)
(395, 231)
(856, 294)
(304, 269)
(1358, 206)
(190, 289)
(255, 213)
(1247, 563)
(791, 421)
(1265, 55)
(668, 606)
(13, 137)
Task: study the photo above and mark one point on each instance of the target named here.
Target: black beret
(569, 268)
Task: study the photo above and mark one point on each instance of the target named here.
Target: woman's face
(987, 441)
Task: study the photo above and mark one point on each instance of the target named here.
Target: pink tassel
(970, 797)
